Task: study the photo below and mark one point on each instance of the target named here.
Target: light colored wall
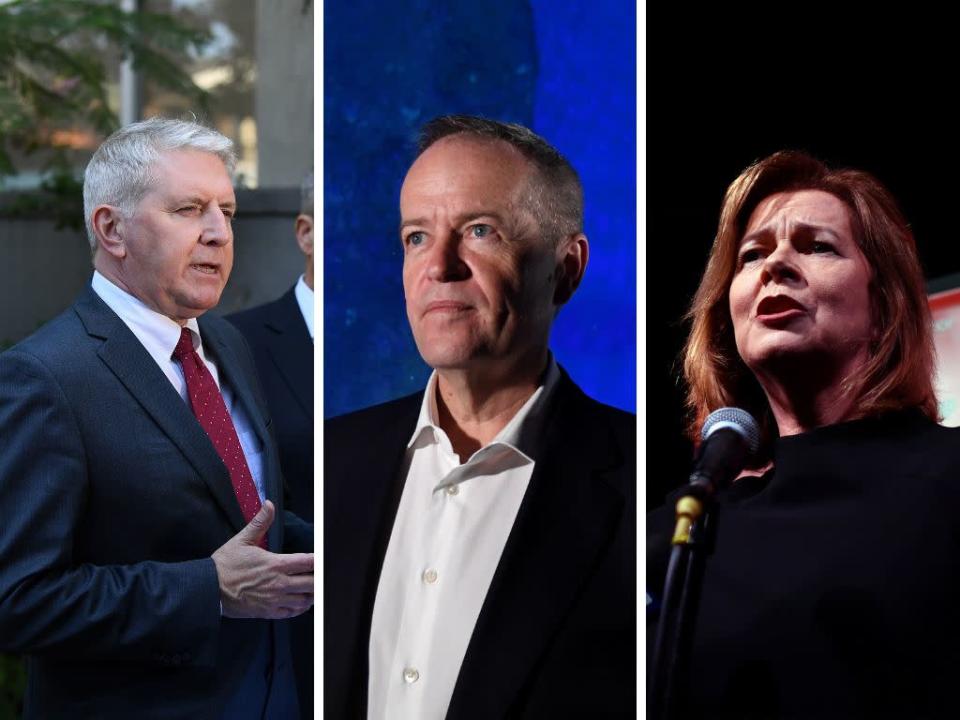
(284, 92)
(42, 269)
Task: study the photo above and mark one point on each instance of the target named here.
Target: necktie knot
(184, 348)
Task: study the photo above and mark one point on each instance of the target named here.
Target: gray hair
(306, 195)
(119, 171)
(555, 196)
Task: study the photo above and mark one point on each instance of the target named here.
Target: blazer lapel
(566, 520)
(135, 369)
(232, 374)
(359, 516)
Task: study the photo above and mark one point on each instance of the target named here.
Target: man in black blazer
(280, 334)
(480, 536)
(140, 565)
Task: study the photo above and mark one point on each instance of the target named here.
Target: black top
(833, 588)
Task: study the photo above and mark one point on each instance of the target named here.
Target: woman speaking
(832, 585)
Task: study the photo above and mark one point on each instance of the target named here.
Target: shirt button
(410, 675)
(430, 576)
(452, 489)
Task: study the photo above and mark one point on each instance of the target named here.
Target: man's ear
(572, 254)
(304, 231)
(107, 222)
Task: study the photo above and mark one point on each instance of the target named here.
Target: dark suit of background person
(282, 348)
(484, 274)
(113, 501)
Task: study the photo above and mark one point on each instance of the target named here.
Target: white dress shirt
(452, 524)
(304, 297)
(159, 335)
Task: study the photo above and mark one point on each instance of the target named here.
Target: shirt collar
(304, 297)
(156, 332)
(520, 433)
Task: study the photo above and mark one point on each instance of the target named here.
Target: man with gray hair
(141, 565)
(280, 334)
(480, 536)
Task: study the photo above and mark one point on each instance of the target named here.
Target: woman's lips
(779, 310)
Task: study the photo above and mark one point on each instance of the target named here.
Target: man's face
(479, 279)
(179, 242)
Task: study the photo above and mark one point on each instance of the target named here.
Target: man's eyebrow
(459, 220)
(197, 200)
(411, 222)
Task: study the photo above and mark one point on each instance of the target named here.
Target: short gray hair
(119, 171)
(555, 194)
(306, 195)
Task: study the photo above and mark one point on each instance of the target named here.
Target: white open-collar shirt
(159, 336)
(451, 526)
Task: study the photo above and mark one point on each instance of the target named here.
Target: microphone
(729, 436)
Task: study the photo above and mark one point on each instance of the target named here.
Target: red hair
(899, 371)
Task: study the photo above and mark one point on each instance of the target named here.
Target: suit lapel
(360, 517)
(292, 349)
(233, 376)
(566, 520)
(129, 361)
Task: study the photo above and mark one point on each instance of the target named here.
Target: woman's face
(801, 286)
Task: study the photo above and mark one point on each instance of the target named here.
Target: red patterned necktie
(210, 410)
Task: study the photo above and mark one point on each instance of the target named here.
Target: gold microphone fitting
(689, 509)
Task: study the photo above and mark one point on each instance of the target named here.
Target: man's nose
(445, 263)
(217, 228)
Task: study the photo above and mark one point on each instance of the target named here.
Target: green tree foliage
(13, 680)
(52, 76)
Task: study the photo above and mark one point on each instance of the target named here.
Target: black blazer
(112, 499)
(556, 636)
(283, 352)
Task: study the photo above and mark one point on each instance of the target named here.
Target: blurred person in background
(280, 333)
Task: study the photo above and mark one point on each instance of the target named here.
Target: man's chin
(450, 358)
(190, 308)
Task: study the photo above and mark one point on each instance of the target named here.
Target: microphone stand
(681, 596)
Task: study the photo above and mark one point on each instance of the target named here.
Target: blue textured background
(568, 71)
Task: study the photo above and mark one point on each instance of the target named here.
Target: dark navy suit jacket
(112, 500)
(283, 352)
(556, 636)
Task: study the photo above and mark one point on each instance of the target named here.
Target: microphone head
(735, 419)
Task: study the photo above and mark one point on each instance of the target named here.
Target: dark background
(878, 93)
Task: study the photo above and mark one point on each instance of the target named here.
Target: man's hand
(255, 583)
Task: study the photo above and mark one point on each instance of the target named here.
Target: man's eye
(416, 238)
(480, 230)
(188, 209)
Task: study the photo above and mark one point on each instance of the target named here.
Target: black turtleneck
(833, 587)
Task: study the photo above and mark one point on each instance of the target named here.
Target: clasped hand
(255, 583)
